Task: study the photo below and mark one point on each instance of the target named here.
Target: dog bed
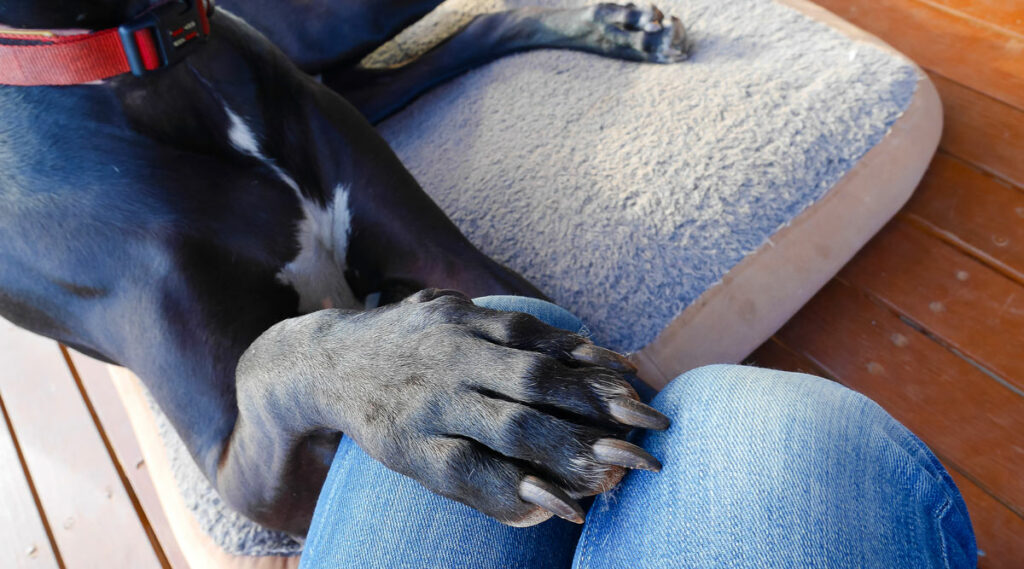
(685, 212)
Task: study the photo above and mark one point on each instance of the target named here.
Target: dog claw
(591, 354)
(656, 15)
(678, 35)
(634, 413)
(620, 453)
(551, 498)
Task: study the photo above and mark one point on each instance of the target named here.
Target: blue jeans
(762, 469)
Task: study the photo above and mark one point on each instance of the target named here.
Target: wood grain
(982, 130)
(972, 421)
(773, 355)
(997, 530)
(972, 211)
(95, 379)
(1007, 14)
(23, 539)
(93, 520)
(956, 298)
(972, 53)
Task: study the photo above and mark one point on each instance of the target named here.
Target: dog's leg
(315, 34)
(620, 31)
(496, 410)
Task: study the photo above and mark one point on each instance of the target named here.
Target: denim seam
(915, 455)
(584, 546)
(940, 513)
(949, 494)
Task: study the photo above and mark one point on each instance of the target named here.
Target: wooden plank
(1006, 14)
(982, 130)
(95, 380)
(23, 538)
(974, 422)
(998, 531)
(974, 211)
(773, 355)
(956, 298)
(981, 56)
(94, 522)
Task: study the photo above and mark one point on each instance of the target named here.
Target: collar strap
(159, 37)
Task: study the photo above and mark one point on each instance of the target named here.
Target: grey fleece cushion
(622, 190)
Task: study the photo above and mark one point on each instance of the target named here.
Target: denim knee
(770, 431)
(775, 399)
(773, 469)
(785, 414)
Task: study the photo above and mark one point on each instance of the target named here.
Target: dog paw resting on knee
(497, 410)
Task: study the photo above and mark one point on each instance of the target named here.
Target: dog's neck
(70, 14)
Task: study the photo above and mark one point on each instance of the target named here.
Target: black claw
(634, 413)
(658, 16)
(591, 354)
(551, 498)
(678, 34)
(621, 453)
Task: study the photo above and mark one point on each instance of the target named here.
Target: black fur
(133, 230)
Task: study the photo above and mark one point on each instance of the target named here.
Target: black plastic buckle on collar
(178, 28)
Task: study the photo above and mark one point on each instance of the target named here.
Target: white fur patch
(318, 272)
(241, 136)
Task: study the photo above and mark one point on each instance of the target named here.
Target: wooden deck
(928, 320)
(73, 486)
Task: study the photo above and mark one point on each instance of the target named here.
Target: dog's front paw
(642, 34)
(494, 409)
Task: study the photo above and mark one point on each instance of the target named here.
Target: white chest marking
(317, 273)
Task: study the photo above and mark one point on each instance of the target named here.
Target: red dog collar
(160, 36)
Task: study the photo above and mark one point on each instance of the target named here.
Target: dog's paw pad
(646, 33)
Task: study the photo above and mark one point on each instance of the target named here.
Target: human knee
(740, 402)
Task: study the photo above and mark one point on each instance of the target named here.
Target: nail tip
(563, 506)
(632, 412)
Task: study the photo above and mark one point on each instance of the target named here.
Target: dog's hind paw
(641, 34)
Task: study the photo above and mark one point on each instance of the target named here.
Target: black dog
(191, 223)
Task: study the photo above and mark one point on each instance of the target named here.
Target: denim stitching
(916, 453)
(942, 511)
(584, 546)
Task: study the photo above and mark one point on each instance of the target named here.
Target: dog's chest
(317, 273)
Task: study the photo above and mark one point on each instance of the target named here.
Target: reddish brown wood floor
(929, 318)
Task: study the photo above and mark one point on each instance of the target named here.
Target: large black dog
(212, 224)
